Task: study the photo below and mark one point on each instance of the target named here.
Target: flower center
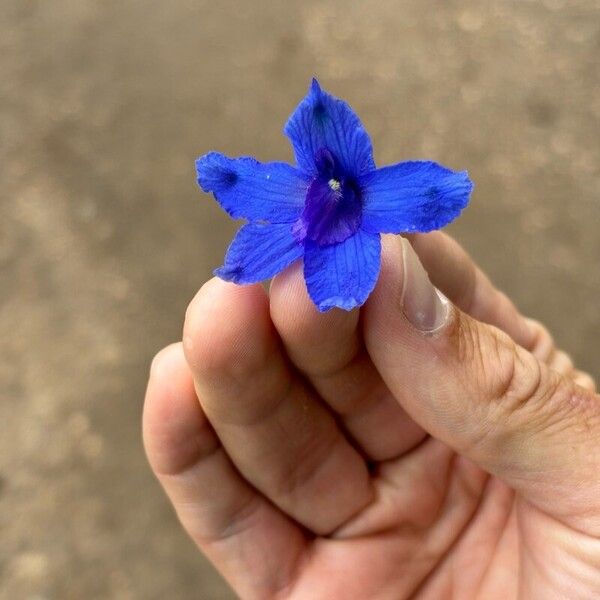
(333, 208)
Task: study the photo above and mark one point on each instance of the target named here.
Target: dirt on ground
(104, 236)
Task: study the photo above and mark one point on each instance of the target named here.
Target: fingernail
(425, 307)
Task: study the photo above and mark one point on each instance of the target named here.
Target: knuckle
(518, 392)
(466, 335)
(534, 396)
(561, 363)
(542, 344)
(507, 377)
(519, 377)
(199, 308)
(490, 358)
(584, 380)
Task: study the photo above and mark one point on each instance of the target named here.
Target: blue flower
(331, 208)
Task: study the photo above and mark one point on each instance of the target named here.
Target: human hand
(347, 455)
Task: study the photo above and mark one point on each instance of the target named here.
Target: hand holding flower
(403, 450)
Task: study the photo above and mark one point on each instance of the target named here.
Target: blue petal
(413, 196)
(258, 252)
(246, 188)
(323, 121)
(342, 275)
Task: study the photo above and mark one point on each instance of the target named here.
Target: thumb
(469, 385)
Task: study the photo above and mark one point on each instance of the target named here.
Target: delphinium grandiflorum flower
(331, 208)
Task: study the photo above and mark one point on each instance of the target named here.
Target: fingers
(544, 349)
(328, 349)
(239, 530)
(472, 387)
(276, 432)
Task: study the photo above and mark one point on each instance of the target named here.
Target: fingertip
(292, 308)
(318, 342)
(166, 359)
(585, 380)
(288, 295)
(541, 343)
(383, 309)
(174, 426)
(169, 374)
(391, 261)
(227, 329)
(289, 284)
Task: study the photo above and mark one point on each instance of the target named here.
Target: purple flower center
(333, 208)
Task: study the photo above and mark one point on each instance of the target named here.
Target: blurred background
(104, 236)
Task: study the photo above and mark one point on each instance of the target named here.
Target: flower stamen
(334, 184)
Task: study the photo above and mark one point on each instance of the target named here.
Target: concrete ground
(104, 236)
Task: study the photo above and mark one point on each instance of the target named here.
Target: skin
(348, 455)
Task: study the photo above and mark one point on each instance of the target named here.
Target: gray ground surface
(104, 237)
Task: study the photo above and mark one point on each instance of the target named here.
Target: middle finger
(328, 349)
